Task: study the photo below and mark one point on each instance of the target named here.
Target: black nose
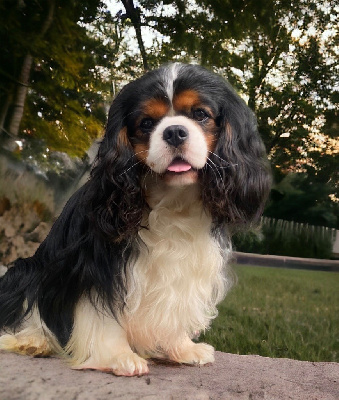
(175, 135)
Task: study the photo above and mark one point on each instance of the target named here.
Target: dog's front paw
(129, 365)
(125, 364)
(196, 353)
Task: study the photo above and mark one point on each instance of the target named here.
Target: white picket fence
(292, 228)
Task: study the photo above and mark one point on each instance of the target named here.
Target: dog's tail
(15, 301)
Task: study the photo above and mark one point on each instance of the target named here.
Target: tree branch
(133, 13)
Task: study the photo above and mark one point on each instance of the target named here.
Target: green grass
(277, 312)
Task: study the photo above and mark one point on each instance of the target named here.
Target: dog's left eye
(200, 115)
(146, 124)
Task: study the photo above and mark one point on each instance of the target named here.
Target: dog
(137, 261)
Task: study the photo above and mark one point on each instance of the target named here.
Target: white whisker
(150, 170)
(221, 179)
(139, 152)
(131, 167)
(213, 170)
(228, 164)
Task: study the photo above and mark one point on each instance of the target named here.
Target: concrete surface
(264, 260)
(231, 377)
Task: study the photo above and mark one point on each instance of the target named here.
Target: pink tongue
(179, 166)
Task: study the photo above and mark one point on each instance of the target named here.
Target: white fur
(178, 278)
(194, 150)
(34, 338)
(99, 342)
(170, 77)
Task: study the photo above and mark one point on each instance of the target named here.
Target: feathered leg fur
(99, 342)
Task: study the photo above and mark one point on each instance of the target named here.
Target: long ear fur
(238, 179)
(115, 201)
(88, 247)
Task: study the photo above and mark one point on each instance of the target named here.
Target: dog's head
(185, 125)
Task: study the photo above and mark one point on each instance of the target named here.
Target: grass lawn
(277, 312)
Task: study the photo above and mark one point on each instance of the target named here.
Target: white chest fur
(178, 277)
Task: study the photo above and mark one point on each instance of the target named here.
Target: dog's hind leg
(33, 338)
(99, 342)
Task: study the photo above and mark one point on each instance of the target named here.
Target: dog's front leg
(99, 342)
(188, 352)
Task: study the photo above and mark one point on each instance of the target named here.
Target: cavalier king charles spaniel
(136, 263)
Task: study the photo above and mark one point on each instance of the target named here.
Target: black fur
(92, 240)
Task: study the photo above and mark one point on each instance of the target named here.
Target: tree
(301, 199)
(133, 13)
(280, 55)
(58, 72)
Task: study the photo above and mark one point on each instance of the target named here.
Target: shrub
(287, 238)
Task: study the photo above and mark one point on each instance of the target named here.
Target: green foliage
(296, 201)
(299, 240)
(65, 105)
(287, 238)
(300, 198)
(249, 242)
(279, 313)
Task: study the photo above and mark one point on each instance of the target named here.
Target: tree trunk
(22, 88)
(4, 111)
(134, 15)
(20, 97)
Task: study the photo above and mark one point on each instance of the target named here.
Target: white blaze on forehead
(172, 73)
(194, 150)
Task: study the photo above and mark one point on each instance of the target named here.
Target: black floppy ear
(116, 196)
(239, 175)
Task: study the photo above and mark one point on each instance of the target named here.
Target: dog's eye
(146, 124)
(200, 115)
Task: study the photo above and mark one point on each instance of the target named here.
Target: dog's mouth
(180, 173)
(179, 166)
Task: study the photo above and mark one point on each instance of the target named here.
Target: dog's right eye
(200, 115)
(146, 125)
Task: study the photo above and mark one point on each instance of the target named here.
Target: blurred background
(63, 61)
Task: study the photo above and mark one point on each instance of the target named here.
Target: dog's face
(174, 131)
(173, 123)
(184, 124)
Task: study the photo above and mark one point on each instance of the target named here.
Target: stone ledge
(231, 377)
(266, 260)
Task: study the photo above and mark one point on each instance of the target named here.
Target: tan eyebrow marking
(186, 100)
(155, 108)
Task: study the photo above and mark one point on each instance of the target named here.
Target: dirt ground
(231, 377)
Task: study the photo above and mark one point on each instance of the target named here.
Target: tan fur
(184, 101)
(154, 108)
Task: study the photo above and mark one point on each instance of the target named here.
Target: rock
(3, 270)
(231, 377)
(21, 231)
(39, 233)
(9, 231)
(15, 247)
(5, 205)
